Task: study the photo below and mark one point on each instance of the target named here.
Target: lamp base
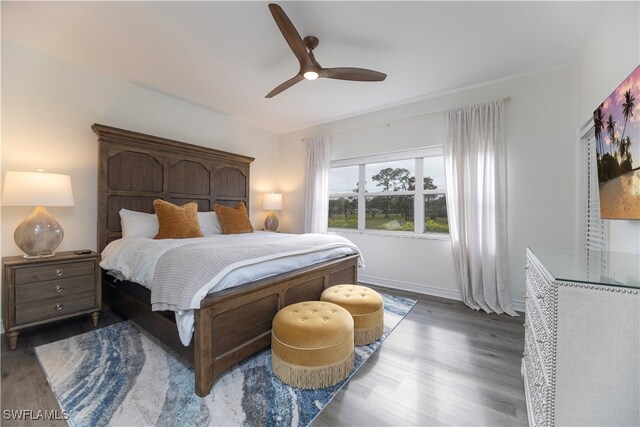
(39, 234)
(49, 255)
(271, 223)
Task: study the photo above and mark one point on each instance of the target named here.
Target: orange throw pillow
(177, 222)
(234, 220)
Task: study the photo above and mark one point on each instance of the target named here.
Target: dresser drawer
(54, 307)
(53, 271)
(537, 386)
(538, 336)
(54, 288)
(533, 365)
(541, 290)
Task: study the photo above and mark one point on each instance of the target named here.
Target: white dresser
(581, 363)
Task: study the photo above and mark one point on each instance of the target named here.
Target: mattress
(144, 261)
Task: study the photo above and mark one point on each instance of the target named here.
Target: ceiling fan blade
(350, 73)
(284, 86)
(289, 32)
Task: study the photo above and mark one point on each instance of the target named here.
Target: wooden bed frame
(230, 325)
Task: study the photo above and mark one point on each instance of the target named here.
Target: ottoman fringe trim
(312, 377)
(367, 336)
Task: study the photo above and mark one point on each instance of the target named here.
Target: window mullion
(345, 195)
(418, 199)
(362, 213)
(390, 193)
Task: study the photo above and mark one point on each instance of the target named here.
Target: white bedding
(135, 259)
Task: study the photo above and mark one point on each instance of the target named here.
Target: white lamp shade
(272, 202)
(37, 189)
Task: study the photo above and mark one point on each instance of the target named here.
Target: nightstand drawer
(54, 307)
(54, 288)
(53, 271)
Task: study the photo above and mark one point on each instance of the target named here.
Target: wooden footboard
(230, 326)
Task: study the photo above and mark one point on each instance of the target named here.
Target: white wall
(48, 107)
(609, 56)
(540, 162)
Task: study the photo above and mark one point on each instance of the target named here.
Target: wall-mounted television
(617, 132)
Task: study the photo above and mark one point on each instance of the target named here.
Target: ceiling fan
(309, 67)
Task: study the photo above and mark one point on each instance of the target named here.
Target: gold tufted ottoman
(312, 344)
(366, 307)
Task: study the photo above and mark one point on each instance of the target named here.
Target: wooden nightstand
(43, 290)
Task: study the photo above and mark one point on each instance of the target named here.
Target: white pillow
(209, 223)
(138, 224)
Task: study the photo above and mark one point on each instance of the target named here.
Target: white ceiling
(227, 56)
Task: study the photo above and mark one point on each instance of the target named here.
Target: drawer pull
(58, 289)
(59, 272)
(59, 307)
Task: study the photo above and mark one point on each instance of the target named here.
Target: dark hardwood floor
(445, 364)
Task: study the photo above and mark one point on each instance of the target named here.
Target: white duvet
(135, 259)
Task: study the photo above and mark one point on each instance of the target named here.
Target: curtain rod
(507, 99)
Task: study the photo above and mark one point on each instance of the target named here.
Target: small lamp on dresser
(39, 234)
(272, 202)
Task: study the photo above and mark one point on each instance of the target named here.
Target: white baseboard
(411, 287)
(518, 305)
(425, 289)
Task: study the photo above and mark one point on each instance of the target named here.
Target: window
(379, 193)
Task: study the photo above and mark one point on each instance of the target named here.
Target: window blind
(594, 231)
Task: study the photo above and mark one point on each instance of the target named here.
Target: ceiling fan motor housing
(311, 42)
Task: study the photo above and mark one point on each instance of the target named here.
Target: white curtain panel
(475, 171)
(316, 198)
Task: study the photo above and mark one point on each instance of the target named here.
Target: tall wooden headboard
(135, 169)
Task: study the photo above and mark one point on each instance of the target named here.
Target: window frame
(418, 194)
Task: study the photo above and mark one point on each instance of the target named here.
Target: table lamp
(272, 202)
(39, 234)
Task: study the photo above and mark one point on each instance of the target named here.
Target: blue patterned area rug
(119, 376)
